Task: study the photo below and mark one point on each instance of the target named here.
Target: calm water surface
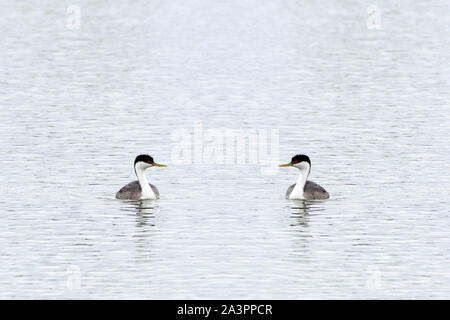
(370, 107)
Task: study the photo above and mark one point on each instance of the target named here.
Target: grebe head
(144, 161)
(300, 161)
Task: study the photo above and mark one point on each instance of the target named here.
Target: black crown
(144, 158)
(300, 158)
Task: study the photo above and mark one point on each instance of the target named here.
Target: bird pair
(142, 189)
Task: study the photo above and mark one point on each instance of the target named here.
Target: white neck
(146, 190)
(297, 192)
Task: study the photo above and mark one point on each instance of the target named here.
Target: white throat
(146, 190)
(298, 191)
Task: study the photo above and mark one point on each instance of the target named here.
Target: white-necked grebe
(304, 189)
(140, 189)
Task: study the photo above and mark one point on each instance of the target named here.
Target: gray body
(132, 191)
(311, 191)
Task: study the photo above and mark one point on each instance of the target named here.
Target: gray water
(370, 106)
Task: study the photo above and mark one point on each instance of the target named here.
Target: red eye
(149, 162)
(295, 162)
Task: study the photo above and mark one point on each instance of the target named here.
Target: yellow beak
(158, 165)
(286, 165)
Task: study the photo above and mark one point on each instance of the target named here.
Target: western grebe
(140, 189)
(304, 189)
